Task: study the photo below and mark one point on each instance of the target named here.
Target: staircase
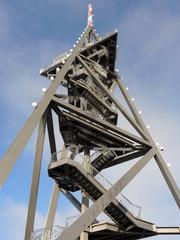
(94, 185)
(93, 94)
(108, 158)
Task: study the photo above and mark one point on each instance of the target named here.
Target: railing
(94, 113)
(102, 218)
(94, 156)
(121, 198)
(96, 91)
(100, 38)
(71, 219)
(59, 58)
(50, 233)
(93, 172)
(66, 154)
(56, 60)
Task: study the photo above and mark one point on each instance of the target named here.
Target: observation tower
(81, 97)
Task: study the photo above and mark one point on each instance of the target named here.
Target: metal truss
(88, 117)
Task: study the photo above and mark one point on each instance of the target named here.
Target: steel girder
(92, 60)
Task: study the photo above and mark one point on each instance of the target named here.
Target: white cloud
(150, 50)
(13, 217)
(149, 40)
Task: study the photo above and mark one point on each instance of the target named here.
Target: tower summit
(90, 16)
(91, 141)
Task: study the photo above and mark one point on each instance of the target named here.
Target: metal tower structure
(88, 123)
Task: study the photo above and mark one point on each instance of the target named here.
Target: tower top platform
(109, 41)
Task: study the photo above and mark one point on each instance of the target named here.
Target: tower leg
(53, 206)
(35, 179)
(85, 199)
(168, 178)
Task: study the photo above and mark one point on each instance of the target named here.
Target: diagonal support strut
(22, 138)
(116, 102)
(35, 178)
(87, 218)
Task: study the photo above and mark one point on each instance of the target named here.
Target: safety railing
(71, 219)
(94, 156)
(66, 154)
(96, 91)
(60, 58)
(102, 218)
(56, 60)
(50, 233)
(121, 198)
(99, 177)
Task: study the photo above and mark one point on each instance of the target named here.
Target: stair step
(113, 211)
(85, 185)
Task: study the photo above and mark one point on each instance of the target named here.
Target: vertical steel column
(85, 199)
(54, 198)
(53, 206)
(52, 140)
(35, 178)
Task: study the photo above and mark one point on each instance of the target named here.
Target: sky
(31, 34)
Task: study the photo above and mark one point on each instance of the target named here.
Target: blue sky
(31, 34)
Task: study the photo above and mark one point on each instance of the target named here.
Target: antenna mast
(90, 16)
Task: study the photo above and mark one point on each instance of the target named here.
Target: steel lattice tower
(88, 117)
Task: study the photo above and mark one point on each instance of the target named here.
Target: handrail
(95, 155)
(99, 177)
(49, 233)
(56, 61)
(121, 197)
(96, 92)
(71, 218)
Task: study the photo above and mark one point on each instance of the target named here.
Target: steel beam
(115, 101)
(87, 218)
(131, 104)
(50, 128)
(94, 33)
(105, 124)
(85, 199)
(20, 141)
(96, 53)
(52, 207)
(168, 178)
(98, 129)
(35, 178)
(125, 158)
(72, 199)
(84, 207)
(134, 109)
(170, 181)
(158, 157)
